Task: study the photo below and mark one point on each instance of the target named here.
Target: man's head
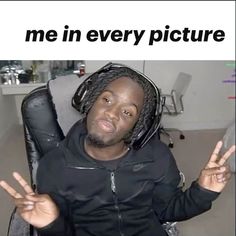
(118, 105)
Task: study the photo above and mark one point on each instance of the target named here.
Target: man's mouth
(106, 126)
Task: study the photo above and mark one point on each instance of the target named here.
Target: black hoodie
(132, 200)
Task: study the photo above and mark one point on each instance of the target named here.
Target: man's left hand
(216, 173)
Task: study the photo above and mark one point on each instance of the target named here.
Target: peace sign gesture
(37, 210)
(216, 174)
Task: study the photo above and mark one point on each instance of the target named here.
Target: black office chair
(44, 128)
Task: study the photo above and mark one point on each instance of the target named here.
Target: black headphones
(145, 134)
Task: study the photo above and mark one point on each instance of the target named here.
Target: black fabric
(133, 200)
(19, 227)
(110, 165)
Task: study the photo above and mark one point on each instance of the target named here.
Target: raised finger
(11, 191)
(226, 156)
(216, 152)
(23, 183)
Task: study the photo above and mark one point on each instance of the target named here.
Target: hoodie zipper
(113, 189)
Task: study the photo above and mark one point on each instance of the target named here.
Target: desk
(19, 89)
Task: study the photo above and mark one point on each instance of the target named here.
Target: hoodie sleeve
(59, 227)
(48, 182)
(171, 203)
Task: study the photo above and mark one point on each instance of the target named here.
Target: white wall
(206, 100)
(8, 115)
(92, 66)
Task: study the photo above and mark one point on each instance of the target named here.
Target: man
(96, 183)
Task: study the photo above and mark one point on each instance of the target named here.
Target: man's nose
(112, 113)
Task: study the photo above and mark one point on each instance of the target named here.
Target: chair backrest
(179, 88)
(42, 133)
(41, 129)
(47, 116)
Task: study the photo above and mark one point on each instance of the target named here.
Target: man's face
(115, 111)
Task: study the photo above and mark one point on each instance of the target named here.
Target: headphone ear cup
(144, 130)
(78, 98)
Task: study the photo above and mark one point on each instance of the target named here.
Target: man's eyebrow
(115, 95)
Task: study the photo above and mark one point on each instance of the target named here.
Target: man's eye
(106, 100)
(127, 113)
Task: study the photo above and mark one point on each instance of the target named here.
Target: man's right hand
(38, 210)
